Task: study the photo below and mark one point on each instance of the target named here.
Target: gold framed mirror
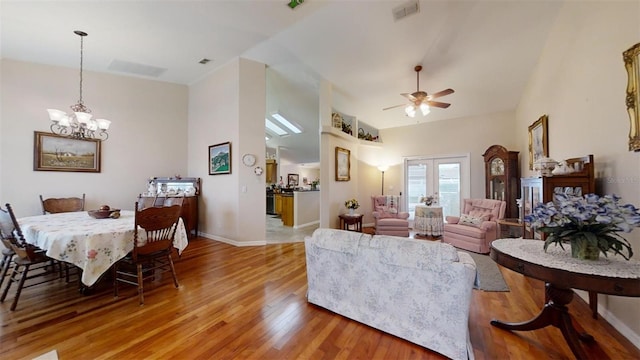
(632, 64)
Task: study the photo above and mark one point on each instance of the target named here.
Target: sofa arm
(491, 230)
(452, 219)
(403, 215)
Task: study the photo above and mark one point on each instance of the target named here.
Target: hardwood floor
(249, 302)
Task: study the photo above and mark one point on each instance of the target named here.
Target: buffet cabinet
(161, 187)
(537, 190)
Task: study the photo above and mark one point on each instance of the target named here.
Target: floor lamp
(383, 168)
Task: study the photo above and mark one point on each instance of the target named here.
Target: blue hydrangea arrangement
(591, 220)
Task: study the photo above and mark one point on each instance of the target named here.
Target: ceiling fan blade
(441, 93)
(393, 107)
(438, 104)
(409, 96)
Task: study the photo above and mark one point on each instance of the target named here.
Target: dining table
(91, 244)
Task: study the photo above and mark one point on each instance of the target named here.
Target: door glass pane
(449, 188)
(416, 183)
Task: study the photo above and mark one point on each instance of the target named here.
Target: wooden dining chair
(6, 230)
(29, 262)
(151, 252)
(146, 201)
(60, 205)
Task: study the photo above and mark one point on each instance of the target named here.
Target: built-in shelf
(352, 128)
(339, 134)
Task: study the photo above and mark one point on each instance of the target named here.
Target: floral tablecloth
(428, 220)
(91, 244)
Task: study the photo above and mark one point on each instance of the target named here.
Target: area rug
(489, 276)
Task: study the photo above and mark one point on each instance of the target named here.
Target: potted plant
(352, 205)
(591, 224)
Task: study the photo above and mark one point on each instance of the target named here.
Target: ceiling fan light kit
(421, 100)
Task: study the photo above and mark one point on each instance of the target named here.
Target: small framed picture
(53, 152)
(293, 180)
(343, 164)
(220, 159)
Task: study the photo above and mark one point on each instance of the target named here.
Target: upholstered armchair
(389, 220)
(476, 227)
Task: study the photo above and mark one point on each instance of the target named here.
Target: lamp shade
(83, 117)
(410, 111)
(56, 115)
(425, 109)
(103, 124)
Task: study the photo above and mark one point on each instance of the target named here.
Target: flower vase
(583, 249)
(352, 211)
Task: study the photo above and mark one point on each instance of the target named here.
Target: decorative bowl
(104, 214)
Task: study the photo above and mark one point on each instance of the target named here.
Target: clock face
(248, 159)
(497, 167)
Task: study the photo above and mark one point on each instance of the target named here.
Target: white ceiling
(485, 50)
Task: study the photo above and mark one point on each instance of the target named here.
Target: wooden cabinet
(501, 177)
(271, 172)
(170, 186)
(542, 189)
(190, 215)
(277, 198)
(287, 210)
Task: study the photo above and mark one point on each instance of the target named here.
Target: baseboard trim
(307, 224)
(233, 242)
(607, 315)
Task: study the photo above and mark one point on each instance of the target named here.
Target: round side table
(346, 220)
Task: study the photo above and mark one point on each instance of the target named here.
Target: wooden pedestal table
(347, 219)
(561, 273)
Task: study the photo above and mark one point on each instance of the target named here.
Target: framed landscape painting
(220, 158)
(343, 164)
(53, 152)
(538, 140)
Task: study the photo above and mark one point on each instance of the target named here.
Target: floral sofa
(414, 289)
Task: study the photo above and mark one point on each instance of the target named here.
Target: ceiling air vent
(406, 9)
(135, 68)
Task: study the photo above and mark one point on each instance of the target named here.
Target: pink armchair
(476, 227)
(389, 220)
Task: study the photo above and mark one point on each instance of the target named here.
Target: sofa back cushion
(386, 205)
(493, 209)
(338, 240)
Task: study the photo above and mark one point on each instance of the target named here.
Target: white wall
(148, 135)
(580, 83)
(471, 135)
(217, 114)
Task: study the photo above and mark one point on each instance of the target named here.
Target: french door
(446, 177)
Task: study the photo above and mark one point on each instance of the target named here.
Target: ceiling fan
(421, 100)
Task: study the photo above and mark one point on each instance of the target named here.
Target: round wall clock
(258, 170)
(248, 159)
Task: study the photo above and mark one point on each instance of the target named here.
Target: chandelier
(79, 124)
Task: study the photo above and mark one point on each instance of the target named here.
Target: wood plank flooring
(249, 302)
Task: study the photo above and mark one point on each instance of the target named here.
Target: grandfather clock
(502, 176)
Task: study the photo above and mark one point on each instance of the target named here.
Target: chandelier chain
(81, 63)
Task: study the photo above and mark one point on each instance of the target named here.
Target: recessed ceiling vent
(134, 68)
(204, 61)
(406, 9)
